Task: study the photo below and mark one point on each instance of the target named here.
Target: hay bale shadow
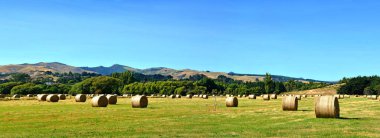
(347, 118)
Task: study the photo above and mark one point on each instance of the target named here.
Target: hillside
(37, 68)
(40, 67)
(329, 90)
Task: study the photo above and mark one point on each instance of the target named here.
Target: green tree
(27, 88)
(6, 88)
(98, 85)
(20, 77)
(126, 77)
(269, 85)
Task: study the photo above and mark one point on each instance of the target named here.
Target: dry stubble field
(195, 117)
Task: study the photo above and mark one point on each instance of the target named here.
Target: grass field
(186, 118)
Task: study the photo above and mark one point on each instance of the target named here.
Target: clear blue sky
(317, 39)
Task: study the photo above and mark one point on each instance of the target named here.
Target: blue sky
(317, 39)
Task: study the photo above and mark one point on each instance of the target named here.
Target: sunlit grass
(186, 118)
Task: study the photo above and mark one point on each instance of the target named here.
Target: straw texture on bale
(205, 96)
(232, 102)
(266, 97)
(112, 99)
(273, 96)
(80, 98)
(289, 103)
(99, 101)
(139, 102)
(252, 96)
(327, 107)
(29, 95)
(52, 98)
(42, 97)
(163, 96)
(62, 97)
(177, 96)
(189, 96)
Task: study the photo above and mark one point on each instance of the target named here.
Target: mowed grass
(186, 118)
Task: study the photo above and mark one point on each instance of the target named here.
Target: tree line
(136, 83)
(362, 85)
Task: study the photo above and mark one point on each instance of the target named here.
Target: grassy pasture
(186, 118)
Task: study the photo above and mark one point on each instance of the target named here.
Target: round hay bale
(189, 96)
(2, 95)
(347, 96)
(52, 98)
(42, 97)
(29, 95)
(172, 96)
(266, 97)
(304, 96)
(252, 96)
(327, 107)
(177, 96)
(372, 97)
(112, 99)
(163, 96)
(99, 101)
(139, 102)
(80, 98)
(273, 96)
(298, 97)
(289, 103)
(232, 102)
(316, 100)
(62, 97)
(195, 96)
(16, 96)
(205, 96)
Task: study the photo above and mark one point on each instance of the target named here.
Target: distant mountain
(109, 70)
(40, 67)
(177, 74)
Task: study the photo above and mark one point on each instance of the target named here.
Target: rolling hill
(329, 90)
(177, 74)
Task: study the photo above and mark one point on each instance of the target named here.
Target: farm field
(183, 117)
